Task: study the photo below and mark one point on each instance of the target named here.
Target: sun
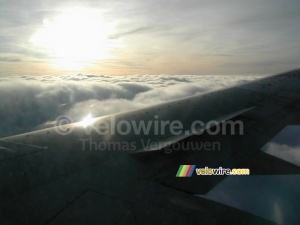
(75, 38)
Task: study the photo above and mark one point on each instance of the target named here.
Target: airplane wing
(121, 168)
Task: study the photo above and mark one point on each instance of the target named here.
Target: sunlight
(86, 121)
(75, 38)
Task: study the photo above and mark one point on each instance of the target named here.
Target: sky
(111, 37)
(60, 57)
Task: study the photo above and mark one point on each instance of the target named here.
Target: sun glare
(75, 38)
(86, 121)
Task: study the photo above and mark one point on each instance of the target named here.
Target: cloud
(29, 102)
(283, 151)
(10, 59)
(204, 33)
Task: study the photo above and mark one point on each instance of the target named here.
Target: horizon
(104, 101)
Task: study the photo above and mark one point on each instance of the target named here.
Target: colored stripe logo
(185, 170)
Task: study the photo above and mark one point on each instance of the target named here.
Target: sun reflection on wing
(86, 121)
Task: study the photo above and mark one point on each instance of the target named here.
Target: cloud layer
(29, 103)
